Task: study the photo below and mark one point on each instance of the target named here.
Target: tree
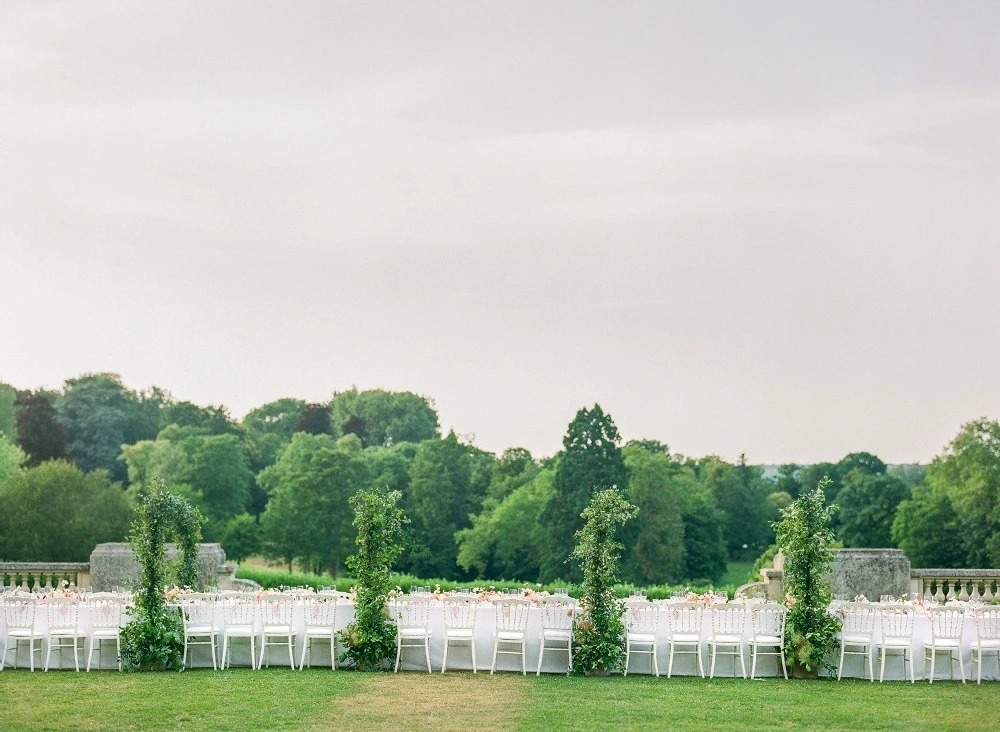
(507, 539)
(12, 458)
(381, 417)
(867, 508)
(741, 493)
(926, 527)
(655, 539)
(271, 427)
(216, 467)
(8, 425)
(591, 462)
(101, 415)
(441, 498)
(704, 544)
(241, 537)
(211, 420)
(55, 512)
(309, 517)
(314, 420)
(40, 433)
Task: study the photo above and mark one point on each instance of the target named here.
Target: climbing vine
(371, 638)
(154, 637)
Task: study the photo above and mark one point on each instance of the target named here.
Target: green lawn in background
(240, 699)
(736, 573)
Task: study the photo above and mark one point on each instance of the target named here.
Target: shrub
(598, 645)
(805, 538)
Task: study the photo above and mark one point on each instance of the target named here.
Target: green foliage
(655, 540)
(507, 538)
(805, 538)
(441, 497)
(55, 512)
(764, 561)
(40, 433)
(867, 506)
(154, 637)
(926, 527)
(216, 467)
(382, 418)
(241, 537)
(12, 458)
(591, 462)
(371, 638)
(598, 643)
(704, 543)
(309, 517)
(741, 493)
(8, 424)
(314, 420)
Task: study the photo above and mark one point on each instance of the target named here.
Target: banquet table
(460, 657)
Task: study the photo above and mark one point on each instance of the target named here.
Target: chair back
(987, 620)
(239, 611)
(512, 614)
(897, 621)
(768, 619)
(858, 618)
(947, 623)
(641, 616)
(197, 609)
(276, 609)
(460, 612)
(413, 612)
(105, 613)
(558, 614)
(63, 613)
(320, 612)
(19, 613)
(728, 619)
(685, 618)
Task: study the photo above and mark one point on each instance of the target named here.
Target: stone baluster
(975, 596)
(988, 594)
(963, 595)
(939, 594)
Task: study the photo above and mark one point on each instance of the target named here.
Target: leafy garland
(805, 538)
(598, 645)
(371, 638)
(154, 637)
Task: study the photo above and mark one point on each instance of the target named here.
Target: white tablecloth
(459, 657)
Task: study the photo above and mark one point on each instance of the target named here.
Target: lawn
(320, 699)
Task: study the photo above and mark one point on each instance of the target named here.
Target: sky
(769, 228)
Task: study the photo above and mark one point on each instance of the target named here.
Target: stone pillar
(114, 565)
(869, 572)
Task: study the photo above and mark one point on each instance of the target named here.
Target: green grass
(736, 573)
(320, 699)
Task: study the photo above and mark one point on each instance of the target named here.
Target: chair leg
(711, 673)
(48, 655)
(523, 654)
(628, 652)
(444, 659)
(473, 644)
(541, 652)
(781, 662)
(933, 657)
(961, 665)
(215, 665)
(881, 673)
(753, 661)
(399, 652)
(871, 668)
(493, 666)
(909, 654)
(656, 668)
(670, 661)
(305, 648)
(743, 667)
(840, 668)
(701, 665)
(291, 652)
(427, 652)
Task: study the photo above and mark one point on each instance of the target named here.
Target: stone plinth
(114, 565)
(869, 572)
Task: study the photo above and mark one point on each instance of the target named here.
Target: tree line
(278, 483)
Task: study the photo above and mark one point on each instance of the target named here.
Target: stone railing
(43, 575)
(955, 584)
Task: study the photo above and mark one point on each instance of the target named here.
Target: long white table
(460, 657)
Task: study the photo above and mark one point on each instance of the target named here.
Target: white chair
(276, 626)
(767, 627)
(557, 629)
(857, 631)
(685, 633)
(641, 620)
(728, 625)
(105, 625)
(511, 629)
(947, 625)
(19, 617)
(239, 616)
(413, 619)
(320, 625)
(897, 636)
(64, 629)
(459, 626)
(987, 641)
(198, 614)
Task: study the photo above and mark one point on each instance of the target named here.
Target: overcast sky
(758, 227)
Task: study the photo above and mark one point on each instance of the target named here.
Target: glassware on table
(561, 591)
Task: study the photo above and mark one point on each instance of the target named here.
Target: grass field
(241, 699)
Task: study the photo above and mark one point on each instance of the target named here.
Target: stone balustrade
(955, 584)
(43, 575)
